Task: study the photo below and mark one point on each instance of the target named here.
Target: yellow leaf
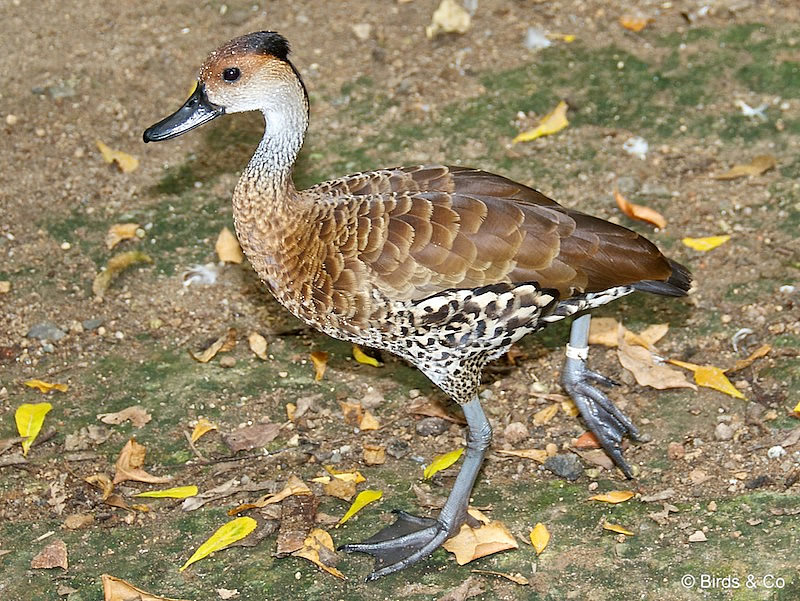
(540, 536)
(368, 422)
(363, 357)
(616, 528)
(614, 496)
(374, 454)
(364, 498)
(740, 364)
(227, 247)
(29, 418)
(258, 344)
(551, 123)
(569, 408)
(320, 361)
(710, 377)
(223, 344)
(119, 232)
(545, 415)
(179, 492)
(226, 535)
(124, 161)
(640, 212)
(317, 548)
(705, 244)
(116, 265)
(45, 386)
(535, 454)
(441, 462)
(759, 164)
(635, 24)
(202, 427)
(355, 475)
(797, 408)
(472, 543)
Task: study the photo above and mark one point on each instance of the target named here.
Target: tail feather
(678, 283)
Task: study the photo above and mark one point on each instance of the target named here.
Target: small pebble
(227, 361)
(566, 466)
(48, 348)
(758, 482)
(91, 324)
(46, 331)
(551, 449)
(697, 537)
(723, 432)
(712, 506)
(11, 119)
(431, 426)
(515, 432)
(776, 452)
(397, 448)
(66, 246)
(675, 451)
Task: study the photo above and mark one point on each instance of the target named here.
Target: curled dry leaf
(320, 361)
(45, 387)
(223, 344)
(471, 543)
(227, 247)
(639, 361)
(543, 416)
(539, 455)
(294, 486)
(613, 497)
(258, 344)
(115, 266)
(740, 364)
(450, 17)
(137, 415)
(119, 232)
(368, 422)
(53, 555)
(129, 465)
(116, 589)
(616, 528)
(639, 212)
(635, 24)
(540, 537)
(318, 549)
(125, 162)
(553, 122)
(203, 426)
(760, 164)
(102, 482)
(361, 357)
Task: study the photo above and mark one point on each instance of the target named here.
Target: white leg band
(580, 353)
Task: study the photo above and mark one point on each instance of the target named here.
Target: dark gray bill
(194, 112)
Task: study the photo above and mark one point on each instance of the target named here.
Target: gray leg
(411, 538)
(607, 422)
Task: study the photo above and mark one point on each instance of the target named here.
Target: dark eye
(231, 74)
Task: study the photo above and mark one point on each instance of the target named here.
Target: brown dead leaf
(137, 415)
(227, 247)
(740, 364)
(352, 412)
(318, 549)
(639, 361)
(472, 543)
(587, 441)
(368, 422)
(119, 232)
(341, 489)
(294, 486)
(471, 587)
(258, 344)
(102, 482)
(203, 426)
(374, 454)
(538, 455)
(116, 589)
(596, 457)
(129, 465)
(604, 331)
(639, 212)
(125, 162)
(760, 164)
(223, 344)
(433, 408)
(516, 578)
(53, 555)
(298, 515)
(251, 437)
(115, 266)
(320, 361)
(545, 415)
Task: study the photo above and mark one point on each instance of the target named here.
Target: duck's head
(249, 73)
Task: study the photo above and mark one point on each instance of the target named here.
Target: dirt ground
(383, 94)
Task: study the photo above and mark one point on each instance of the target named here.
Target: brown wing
(420, 230)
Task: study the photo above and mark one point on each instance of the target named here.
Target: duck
(444, 266)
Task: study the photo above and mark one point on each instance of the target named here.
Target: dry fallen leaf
(294, 486)
(223, 344)
(29, 419)
(639, 361)
(227, 247)
(363, 358)
(116, 589)
(543, 416)
(450, 17)
(137, 415)
(258, 344)
(709, 376)
(225, 535)
(616, 528)
(613, 497)
(129, 465)
(115, 266)
(740, 364)
(119, 232)
(53, 555)
(320, 361)
(102, 482)
(45, 387)
(341, 489)
(124, 161)
(553, 122)
(368, 422)
(202, 427)
(441, 462)
(639, 212)
(298, 514)
(587, 441)
(471, 543)
(516, 578)
(374, 454)
(540, 537)
(759, 165)
(318, 549)
(635, 24)
(364, 498)
(434, 408)
(705, 244)
(179, 492)
(539, 455)
(251, 437)
(352, 412)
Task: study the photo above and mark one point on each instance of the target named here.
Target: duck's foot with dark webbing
(604, 419)
(411, 538)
